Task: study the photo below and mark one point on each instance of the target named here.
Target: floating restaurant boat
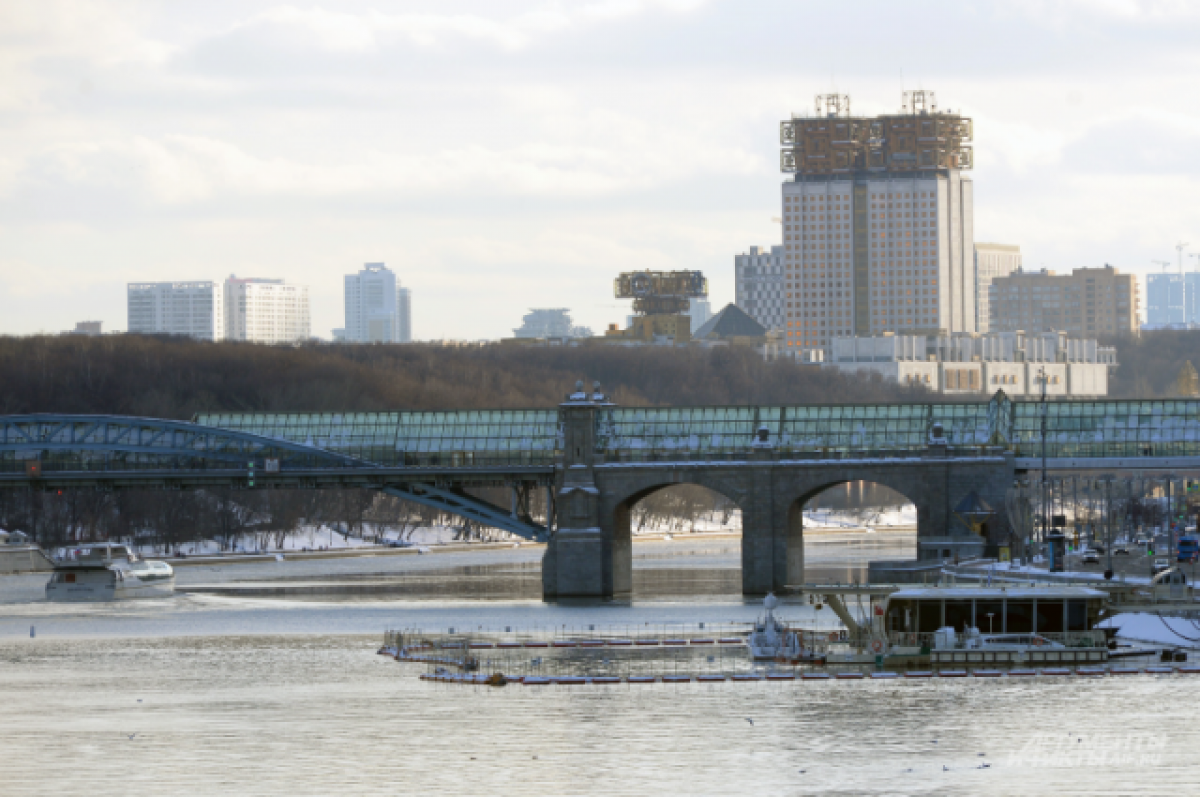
(107, 571)
(940, 626)
(1026, 625)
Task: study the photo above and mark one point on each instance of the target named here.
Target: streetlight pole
(1108, 524)
(1170, 523)
(1042, 377)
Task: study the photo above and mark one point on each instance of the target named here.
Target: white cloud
(517, 153)
(344, 31)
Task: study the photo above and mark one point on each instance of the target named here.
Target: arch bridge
(596, 460)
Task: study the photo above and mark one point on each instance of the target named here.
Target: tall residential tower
(378, 309)
(265, 310)
(877, 223)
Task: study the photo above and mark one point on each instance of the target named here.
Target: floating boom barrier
(480, 679)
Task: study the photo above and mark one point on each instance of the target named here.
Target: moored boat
(108, 571)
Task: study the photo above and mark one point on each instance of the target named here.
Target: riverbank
(705, 564)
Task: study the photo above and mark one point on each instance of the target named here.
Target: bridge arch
(617, 518)
(794, 516)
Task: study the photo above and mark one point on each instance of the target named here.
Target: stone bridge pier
(590, 554)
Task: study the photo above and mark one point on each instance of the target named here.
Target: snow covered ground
(814, 520)
(1156, 630)
(327, 538)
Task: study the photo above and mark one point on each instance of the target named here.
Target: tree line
(1148, 366)
(171, 377)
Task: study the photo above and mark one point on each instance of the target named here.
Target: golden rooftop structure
(919, 138)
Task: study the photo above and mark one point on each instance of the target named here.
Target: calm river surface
(215, 694)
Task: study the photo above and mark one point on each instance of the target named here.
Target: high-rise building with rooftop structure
(758, 285)
(193, 309)
(991, 261)
(877, 223)
(378, 309)
(1087, 303)
(266, 310)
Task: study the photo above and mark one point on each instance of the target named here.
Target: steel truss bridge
(433, 458)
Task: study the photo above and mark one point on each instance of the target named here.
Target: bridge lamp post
(1042, 497)
(1108, 524)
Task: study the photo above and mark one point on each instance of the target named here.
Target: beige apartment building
(1089, 302)
(991, 261)
(877, 224)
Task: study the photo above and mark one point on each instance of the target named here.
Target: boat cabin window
(929, 614)
(1050, 615)
(959, 614)
(989, 616)
(1018, 615)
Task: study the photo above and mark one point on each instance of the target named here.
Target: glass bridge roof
(1105, 428)
(420, 439)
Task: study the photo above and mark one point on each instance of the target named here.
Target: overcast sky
(507, 155)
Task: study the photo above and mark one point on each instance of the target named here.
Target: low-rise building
(970, 363)
(552, 322)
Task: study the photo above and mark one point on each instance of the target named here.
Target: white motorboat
(108, 571)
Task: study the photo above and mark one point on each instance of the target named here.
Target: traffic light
(250, 473)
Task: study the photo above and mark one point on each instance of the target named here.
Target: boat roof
(998, 593)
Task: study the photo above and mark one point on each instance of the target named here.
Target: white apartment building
(266, 311)
(971, 363)
(758, 286)
(194, 309)
(991, 261)
(378, 309)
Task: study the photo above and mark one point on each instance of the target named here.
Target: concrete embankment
(343, 553)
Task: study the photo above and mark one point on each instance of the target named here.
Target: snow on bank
(814, 520)
(1156, 630)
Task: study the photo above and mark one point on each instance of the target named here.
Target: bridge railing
(1070, 639)
(785, 454)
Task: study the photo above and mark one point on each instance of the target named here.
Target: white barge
(107, 571)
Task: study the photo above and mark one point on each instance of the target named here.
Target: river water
(211, 694)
